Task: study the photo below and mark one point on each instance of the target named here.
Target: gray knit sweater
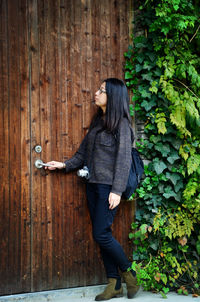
(107, 157)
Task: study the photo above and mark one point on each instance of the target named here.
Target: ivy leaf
(184, 152)
(178, 186)
(155, 138)
(176, 143)
(174, 177)
(154, 87)
(129, 53)
(145, 94)
(135, 97)
(169, 192)
(182, 25)
(147, 76)
(161, 188)
(173, 157)
(164, 149)
(178, 197)
(131, 236)
(177, 116)
(147, 65)
(154, 245)
(140, 42)
(157, 277)
(131, 109)
(164, 278)
(140, 58)
(148, 105)
(176, 7)
(165, 290)
(165, 30)
(181, 70)
(129, 65)
(137, 107)
(157, 72)
(160, 121)
(138, 67)
(151, 55)
(128, 75)
(159, 166)
(143, 228)
(193, 163)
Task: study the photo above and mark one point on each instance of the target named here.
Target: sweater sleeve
(123, 158)
(78, 159)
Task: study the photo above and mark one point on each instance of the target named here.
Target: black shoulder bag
(135, 175)
(136, 171)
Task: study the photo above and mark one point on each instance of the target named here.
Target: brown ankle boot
(110, 291)
(131, 284)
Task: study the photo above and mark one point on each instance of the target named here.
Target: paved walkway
(87, 294)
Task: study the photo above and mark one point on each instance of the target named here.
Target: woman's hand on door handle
(55, 164)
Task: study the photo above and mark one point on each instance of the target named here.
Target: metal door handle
(39, 164)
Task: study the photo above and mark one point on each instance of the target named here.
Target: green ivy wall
(163, 73)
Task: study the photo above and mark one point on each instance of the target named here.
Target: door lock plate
(38, 149)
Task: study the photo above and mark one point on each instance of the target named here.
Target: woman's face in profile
(101, 97)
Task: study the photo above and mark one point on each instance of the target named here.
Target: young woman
(106, 151)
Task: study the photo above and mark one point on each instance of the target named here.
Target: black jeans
(102, 218)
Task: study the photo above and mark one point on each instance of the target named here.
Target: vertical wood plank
(105, 39)
(25, 264)
(96, 48)
(69, 63)
(68, 149)
(14, 248)
(76, 74)
(4, 150)
(45, 131)
(86, 96)
(77, 67)
(78, 71)
(56, 147)
(67, 145)
(64, 41)
(87, 61)
(35, 140)
(115, 38)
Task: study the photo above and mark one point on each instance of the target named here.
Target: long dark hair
(117, 105)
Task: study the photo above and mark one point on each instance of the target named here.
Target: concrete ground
(87, 294)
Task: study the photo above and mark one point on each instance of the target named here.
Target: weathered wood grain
(25, 263)
(14, 249)
(4, 150)
(36, 201)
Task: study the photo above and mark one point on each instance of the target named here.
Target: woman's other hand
(55, 164)
(114, 200)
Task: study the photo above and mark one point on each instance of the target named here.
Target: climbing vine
(163, 72)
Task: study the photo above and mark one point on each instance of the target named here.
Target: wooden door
(54, 55)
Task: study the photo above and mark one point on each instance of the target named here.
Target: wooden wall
(53, 57)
